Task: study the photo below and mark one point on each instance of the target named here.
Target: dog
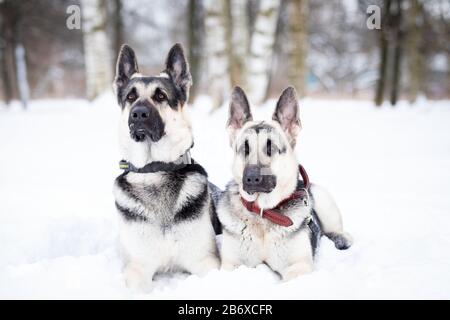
(163, 200)
(267, 214)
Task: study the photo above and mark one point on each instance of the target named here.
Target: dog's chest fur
(259, 233)
(163, 198)
(163, 216)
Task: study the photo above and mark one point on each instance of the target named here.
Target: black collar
(157, 166)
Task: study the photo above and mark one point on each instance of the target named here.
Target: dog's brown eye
(131, 97)
(160, 96)
(246, 148)
(269, 147)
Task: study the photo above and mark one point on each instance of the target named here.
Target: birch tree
(297, 44)
(261, 50)
(96, 47)
(22, 78)
(240, 43)
(217, 47)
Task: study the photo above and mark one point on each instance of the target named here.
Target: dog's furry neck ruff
(157, 166)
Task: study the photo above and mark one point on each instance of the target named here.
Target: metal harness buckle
(306, 200)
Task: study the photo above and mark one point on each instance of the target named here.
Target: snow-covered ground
(389, 170)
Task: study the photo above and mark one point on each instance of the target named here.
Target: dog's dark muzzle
(258, 179)
(145, 121)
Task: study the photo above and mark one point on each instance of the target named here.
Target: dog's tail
(215, 194)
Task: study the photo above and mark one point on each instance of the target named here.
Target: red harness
(273, 214)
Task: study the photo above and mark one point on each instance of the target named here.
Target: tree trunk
(413, 46)
(5, 65)
(217, 47)
(9, 16)
(398, 52)
(195, 35)
(20, 60)
(22, 78)
(96, 48)
(6, 82)
(382, 71)
(251, 12)
(118, 26)
(261, 50)
(298, 44)
(239, 41)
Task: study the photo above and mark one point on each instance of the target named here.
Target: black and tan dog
(268, 214)
(163, 198)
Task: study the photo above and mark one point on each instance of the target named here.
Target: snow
(387, 168)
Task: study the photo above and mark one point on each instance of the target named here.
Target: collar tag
(124, 165)
(185, 158)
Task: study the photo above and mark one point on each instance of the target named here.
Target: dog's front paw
(203, 266)
(228, 265)
(296, 269)
(342, 241)
(136, 280)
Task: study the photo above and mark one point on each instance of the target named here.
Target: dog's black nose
(139, 113)
(144, 120)
(252, 176)
(258, 179)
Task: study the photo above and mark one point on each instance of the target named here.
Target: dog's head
(153, 125)
(265, 165)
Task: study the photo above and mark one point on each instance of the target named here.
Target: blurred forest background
(322, 47)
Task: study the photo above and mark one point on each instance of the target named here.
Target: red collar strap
(273, 214)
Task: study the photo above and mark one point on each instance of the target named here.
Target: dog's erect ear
(287, 114)
(125, 68)
(239, 112)
(177, 68)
